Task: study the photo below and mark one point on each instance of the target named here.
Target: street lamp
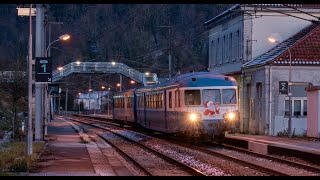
(100, 98)
(90, 90)
(273, 40)
(119, 85)
(61, 38)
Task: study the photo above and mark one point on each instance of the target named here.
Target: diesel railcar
(200, 104)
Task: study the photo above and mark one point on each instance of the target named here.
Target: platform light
(60, 68)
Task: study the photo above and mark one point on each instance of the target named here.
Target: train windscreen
(211, 95)
(229, 96)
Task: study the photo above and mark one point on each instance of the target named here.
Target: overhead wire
(302, 11)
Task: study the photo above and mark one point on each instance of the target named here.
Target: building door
(259, 125)
(247, 109)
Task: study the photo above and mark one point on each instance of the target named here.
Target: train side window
(170, 99)
(192, 97)
(162, 99)
(177, 98)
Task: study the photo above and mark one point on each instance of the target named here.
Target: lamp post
(273, 40)
(90, 90)
(103, 88)
(61, 38)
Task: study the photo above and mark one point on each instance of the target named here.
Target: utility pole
(169, 50)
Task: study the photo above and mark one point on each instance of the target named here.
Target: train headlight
(193, 117)
(231, 116)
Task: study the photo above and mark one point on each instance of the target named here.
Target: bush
(283, 133)
(13, 157)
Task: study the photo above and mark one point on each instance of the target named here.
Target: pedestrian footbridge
(104, 67)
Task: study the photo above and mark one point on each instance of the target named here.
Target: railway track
(209, 150)
(138, 150)
(291, 163)
(253, 165)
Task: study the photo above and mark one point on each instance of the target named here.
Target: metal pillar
(66, 105)
(45, 97)
(40, 52)
(108, 101)
(120, 83)
(29, 124)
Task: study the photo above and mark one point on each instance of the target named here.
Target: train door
(144, 109)
(171, 114)
(177, 110)
(165, 110)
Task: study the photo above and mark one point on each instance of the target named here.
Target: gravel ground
(293, 171)
(298, 160)
(157, 166)
(210, 165)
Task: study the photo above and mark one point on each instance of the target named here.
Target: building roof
(222, 14)
(304, 47)
(232, 9)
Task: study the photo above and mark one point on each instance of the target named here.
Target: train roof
(194, 79)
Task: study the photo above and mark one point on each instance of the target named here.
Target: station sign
(43, 71)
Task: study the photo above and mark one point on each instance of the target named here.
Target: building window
(299, 107)
(230, 48)
(224, 49)
(213, 53)
(259, 90)
(238, 45)
(298, 102)
(305, 107)
(219, 51)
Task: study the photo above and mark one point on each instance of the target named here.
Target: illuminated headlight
(231, 116)
(193, 117)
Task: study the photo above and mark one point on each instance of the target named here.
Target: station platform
(307, 149)
(71, 152)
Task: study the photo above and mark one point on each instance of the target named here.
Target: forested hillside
(136, 34)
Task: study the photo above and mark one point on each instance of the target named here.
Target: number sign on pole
(283, 87)
(43, 69)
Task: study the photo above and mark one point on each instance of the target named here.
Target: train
(196, 104)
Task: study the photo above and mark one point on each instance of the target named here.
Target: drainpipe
(270, 101)
(242, 103)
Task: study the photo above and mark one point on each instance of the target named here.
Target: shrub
(13, 157)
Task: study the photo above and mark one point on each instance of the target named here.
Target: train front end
(211, 106)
